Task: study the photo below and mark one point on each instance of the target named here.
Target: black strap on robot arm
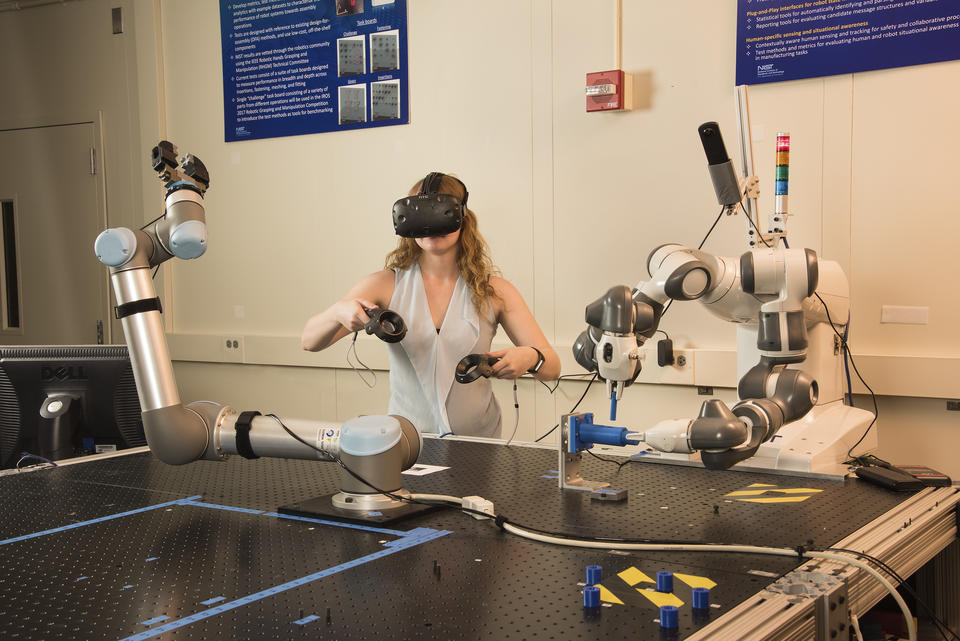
(242, 429)
(137, 307)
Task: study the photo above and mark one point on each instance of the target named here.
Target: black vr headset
(429, 213)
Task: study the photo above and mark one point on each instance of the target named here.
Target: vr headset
(429, 213)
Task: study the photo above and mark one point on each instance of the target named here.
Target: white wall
(570, 202)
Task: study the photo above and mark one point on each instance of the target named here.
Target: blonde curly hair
(473, 255)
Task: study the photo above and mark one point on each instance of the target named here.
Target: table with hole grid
(127, 547)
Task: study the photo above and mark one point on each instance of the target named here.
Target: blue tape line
(305, 620)
(215, 599)
(547, 476)
(230, 508)
(152, 558)
(81, 578)
(126, 587)
(413, 538)
(154, 620)
(73, 526)
(374, 513)
(355, 526)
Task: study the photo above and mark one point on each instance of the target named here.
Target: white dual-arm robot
(790, 415)
(372, 450)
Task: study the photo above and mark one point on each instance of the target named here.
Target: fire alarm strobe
(608, 91)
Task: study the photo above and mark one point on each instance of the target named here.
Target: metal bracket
(571, 462)
(831, 602)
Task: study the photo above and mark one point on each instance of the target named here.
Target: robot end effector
(181, 232)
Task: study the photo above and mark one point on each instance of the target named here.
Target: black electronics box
(890, 478)
(930, 477)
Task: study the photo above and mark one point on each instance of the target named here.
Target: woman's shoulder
(505, 294)
(502, 287)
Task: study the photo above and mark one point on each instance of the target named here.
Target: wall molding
(888, 375)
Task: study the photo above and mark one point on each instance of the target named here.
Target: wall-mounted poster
(294, 67)
(784, 40)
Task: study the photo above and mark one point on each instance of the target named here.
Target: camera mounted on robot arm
(429, 212)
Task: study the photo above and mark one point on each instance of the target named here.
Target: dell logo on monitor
(54, 373)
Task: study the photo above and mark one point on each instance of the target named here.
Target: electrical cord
(27, 455)
(623, 544)
(582, 396)
(605, 460)
(516, 409)
(846, 349)
(153, 221)
(557, 384)
(942, 627)
(712, 227)
(353, 348)
(748, 549)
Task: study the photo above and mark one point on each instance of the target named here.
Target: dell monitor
(61, 401)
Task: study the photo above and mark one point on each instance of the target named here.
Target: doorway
(53, 289)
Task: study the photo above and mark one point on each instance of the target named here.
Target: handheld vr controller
(386, 325)
(473, 366)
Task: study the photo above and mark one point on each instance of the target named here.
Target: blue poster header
(294, 67)
(783, 40)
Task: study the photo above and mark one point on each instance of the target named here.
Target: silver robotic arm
(375, 448)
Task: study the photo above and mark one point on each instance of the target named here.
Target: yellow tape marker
(784, 490)
(695, 581)
(761, 485)
(661, 598)
(633, 576)
(777, 499)
(608, 597)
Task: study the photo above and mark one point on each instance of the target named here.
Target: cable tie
(800, 552)
(500, 520)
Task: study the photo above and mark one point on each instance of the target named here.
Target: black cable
(499, 519)
(901, 582)
(846, 348)
(605, 460)
(537, 440)
(390, 495)
(154, 220)
(719, 216)
(353, 348)
(660, 331)
(154, 274)
(750, 220)
(554, 388)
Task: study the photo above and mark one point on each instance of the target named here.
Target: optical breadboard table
(131, 548)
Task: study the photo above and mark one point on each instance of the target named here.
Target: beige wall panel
(284, 391)
(294, 222)
(61, 64)
(905, 207)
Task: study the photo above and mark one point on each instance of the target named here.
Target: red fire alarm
(608, 91)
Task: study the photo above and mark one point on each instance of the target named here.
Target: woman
(446, 290)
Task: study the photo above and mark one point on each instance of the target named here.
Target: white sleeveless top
(423, 364)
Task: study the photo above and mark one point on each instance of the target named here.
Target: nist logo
(764, 67)
(56, 373)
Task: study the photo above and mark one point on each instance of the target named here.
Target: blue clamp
(584, 434)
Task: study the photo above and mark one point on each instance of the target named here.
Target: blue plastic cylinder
(664, 581)
(591, 596)
(701, 598)
(669, 616)
(604, 434)
(594, 574)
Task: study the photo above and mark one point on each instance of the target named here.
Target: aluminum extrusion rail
(904, 538)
